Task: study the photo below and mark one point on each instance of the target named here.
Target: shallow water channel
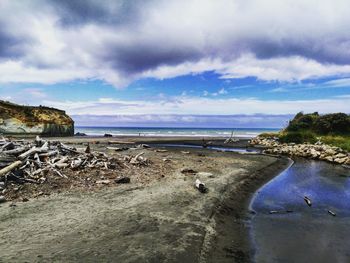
(286, 229)
(216, 148)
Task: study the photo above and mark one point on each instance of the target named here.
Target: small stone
(122, 180)
(2, 199)
(25, 199)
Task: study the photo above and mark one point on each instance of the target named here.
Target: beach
(158, 217)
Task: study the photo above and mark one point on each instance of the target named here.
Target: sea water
(184, 132)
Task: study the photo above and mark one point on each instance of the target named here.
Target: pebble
(2, 199)
(122, 180)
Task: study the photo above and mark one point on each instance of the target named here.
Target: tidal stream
(286, 229)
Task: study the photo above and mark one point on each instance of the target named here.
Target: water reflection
(308, 234)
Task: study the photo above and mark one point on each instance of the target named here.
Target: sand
(158, 217)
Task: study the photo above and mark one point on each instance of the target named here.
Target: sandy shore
(158, 217)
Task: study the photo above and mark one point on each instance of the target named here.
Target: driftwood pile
(23, 161)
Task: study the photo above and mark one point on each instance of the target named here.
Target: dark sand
(159, 217)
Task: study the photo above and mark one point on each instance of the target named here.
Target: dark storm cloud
(141, 57)
(79, 12)
(320, 50)
(10, 47)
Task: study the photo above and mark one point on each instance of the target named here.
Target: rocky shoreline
(317, 151)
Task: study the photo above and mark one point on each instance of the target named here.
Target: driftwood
(231, 139)
(307, 201)
(331, 213)
(35, 161)
(200, 186)
(9, 168)
(161, 150)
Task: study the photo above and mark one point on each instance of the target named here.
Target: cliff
(17, 119)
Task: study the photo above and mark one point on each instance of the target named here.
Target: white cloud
(118, 42)
(222, 91)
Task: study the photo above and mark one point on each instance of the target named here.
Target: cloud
(120, 41)
(337, 83)
(35, 92)
(194, 106)
(279, 89)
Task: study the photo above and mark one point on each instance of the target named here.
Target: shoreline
(234, 234)
(222, 239)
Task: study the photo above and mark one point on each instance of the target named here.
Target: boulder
(329, 158)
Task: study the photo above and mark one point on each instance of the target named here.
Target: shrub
(336, 123)
(297, 137)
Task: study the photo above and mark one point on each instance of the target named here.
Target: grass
(341, 141)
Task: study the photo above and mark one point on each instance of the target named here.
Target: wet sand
(159, 217)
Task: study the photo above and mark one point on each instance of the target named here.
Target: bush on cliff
(335, 123)
(332, 129)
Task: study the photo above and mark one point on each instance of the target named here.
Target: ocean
(184, 132)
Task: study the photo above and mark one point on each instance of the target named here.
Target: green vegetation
(328, 124)
(298, 137)
(269, 134)
(339, 141)
(332, 129)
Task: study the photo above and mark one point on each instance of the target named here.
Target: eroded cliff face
(17, 119)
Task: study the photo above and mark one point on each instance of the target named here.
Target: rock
(340, 160)
(314, 154)
(80, 134)
(2, 199)
(329, 158)
(122, 180)
(330, 152)
(340, 155)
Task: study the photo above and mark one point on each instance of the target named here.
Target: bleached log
(49, 154)
(59, 173)
(28, 153)
(7, 145)
(200, 186)
(9, 168)
(16, 150)
(136, 159)
(61, 165)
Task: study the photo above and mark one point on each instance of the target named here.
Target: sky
(180, 63)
